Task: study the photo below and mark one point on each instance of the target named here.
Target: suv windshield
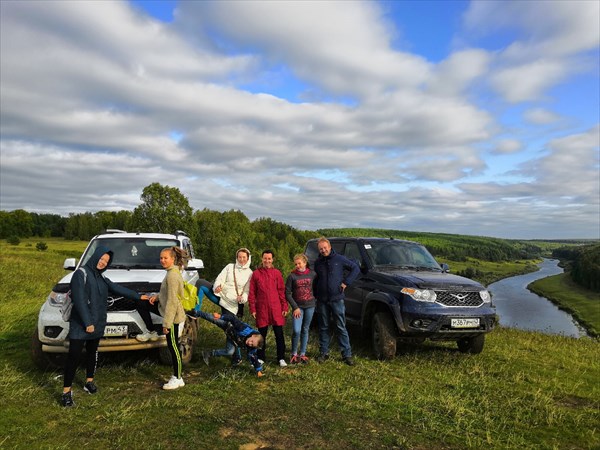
(131, 252)
(400, 254)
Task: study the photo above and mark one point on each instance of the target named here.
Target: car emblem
(110, 302)
(460, 297)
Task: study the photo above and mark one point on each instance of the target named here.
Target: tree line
(582, 263)
(217, 235)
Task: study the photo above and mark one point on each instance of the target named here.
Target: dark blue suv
(403, 293)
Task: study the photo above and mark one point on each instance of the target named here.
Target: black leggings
(279, 341)
(144, 308)
(172, 344)
(91, 359)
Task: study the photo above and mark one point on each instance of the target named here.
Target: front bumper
(53, 332)
(435, 322)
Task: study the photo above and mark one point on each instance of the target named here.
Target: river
(520, 308)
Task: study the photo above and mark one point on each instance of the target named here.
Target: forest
(217, 235)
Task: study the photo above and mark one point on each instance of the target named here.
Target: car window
(338, 246)
(400, 253)
(130, 253)
(312, 253)
(352, 252)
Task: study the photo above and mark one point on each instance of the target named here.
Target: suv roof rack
(113, 231)
(181, 233)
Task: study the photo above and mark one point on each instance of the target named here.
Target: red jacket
(267, 297)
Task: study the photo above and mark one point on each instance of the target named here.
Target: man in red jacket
(268, 304)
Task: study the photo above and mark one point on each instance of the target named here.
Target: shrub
(41, 246)
(13, 240)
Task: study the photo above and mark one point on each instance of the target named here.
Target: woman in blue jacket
(89, 292)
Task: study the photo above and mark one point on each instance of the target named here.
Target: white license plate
(464, 323)
(115, 330)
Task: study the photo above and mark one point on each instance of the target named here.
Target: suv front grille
(125, 304)
(458, 298)
(120, 304)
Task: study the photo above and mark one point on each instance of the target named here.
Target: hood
(93, 261)
(431, 280)
(247, 265)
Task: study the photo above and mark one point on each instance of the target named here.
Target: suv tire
(384, 336)
(471, 345)
(186, 344)
(45, 360)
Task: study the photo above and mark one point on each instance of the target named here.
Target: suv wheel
(45, 360)
(186, 344)
(384, 336)
(471, 345)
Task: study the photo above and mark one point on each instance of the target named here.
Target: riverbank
(581, 303)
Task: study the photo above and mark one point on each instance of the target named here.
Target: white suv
(135, 264)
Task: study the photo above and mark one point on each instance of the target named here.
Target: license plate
(115, 330)
(464, 323)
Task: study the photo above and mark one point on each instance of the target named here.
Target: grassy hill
(525, 391)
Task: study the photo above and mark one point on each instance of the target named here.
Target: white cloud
(99, 101)
(556, 37)
(540, 116)
(507, 146)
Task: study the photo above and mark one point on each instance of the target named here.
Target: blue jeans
(300, 328)
(337, 311)
(205, 290)
(230, 347)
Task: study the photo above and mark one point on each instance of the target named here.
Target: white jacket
(228, 292)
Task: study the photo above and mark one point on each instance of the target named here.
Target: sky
(477, 118)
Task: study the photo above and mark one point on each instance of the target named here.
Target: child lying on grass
(240, 333)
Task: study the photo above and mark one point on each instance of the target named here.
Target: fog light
(417, 323)
(52, 332)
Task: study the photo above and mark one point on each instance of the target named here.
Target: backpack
(67, 306)
(189, 300)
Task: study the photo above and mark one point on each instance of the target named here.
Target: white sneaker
(282, 363)
(153, 336)
(143, 337)
(173, 383)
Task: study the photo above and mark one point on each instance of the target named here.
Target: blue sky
(442, 116)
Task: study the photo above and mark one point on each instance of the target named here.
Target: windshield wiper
(428, 268)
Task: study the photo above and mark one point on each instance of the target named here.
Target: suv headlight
(421, 295)
(57, 298)
(485, 296)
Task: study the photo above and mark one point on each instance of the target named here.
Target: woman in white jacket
(230, 290)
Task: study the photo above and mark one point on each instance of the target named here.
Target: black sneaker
(349, 360)
(206, 357)
(90, 387)
(67, 399)
(192, 314)
(322, 358)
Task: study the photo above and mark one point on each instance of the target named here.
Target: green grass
(582, 304)
(525, 391)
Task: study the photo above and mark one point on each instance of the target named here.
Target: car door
(355, 292)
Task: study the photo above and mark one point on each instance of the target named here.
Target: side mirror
(445, 267)
(70, 264)
(195, 264)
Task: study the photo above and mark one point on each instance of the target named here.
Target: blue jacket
(332, 271)
(238, 332)
(90, 297)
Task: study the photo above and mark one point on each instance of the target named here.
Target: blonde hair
(180, 255)
(302, 257)
(324, 239)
